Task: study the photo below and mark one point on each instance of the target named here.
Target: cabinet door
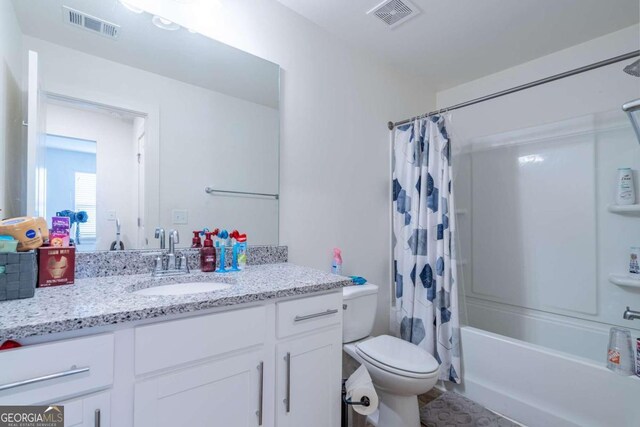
(308, 383)
(225, 393)
(88, 411)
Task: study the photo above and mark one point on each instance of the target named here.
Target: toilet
(399, 369)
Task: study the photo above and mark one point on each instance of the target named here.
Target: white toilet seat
(398, 357)
(396, 371)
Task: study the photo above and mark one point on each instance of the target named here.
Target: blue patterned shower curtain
(423, 242)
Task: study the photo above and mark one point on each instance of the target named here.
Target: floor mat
(451, 409)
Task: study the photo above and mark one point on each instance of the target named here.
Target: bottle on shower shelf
(625, 194)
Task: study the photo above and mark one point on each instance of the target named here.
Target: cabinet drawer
(46, 373)
(306, 314)
(173, 343)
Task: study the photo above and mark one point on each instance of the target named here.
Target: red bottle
(196, 242)
(208, 254)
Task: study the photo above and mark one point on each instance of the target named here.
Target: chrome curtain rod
(529, 85)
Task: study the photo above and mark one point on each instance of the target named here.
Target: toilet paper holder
(346, 402)
(364, 401)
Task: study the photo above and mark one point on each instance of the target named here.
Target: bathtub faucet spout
(631, 314)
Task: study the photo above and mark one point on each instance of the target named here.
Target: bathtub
(537, 386)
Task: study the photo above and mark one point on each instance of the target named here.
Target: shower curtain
(423, 242)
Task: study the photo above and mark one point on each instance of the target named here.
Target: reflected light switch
(179, 216)
(111, 215)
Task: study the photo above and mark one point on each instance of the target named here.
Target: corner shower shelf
(625, 209)
(622, 280)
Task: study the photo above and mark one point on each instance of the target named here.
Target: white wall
(10, 113)
(115, 167)
(205, 139)
(577, 115)
(335, 149)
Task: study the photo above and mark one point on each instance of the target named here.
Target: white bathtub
(537, 386)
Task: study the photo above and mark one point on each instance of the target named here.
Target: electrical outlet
(112, 215)
(180, 216)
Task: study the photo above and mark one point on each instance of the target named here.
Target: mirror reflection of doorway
(93, 161)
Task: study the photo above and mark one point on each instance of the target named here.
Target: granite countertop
(109, 300)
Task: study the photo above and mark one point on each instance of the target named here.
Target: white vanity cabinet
(215, 367)
(273, 363)
(308, 362)
(308, 380)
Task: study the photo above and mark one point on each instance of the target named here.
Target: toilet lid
(397, 354)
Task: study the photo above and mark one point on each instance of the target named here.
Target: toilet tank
(359, 303)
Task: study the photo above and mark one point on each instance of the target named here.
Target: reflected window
(85, 200)
(71, 181)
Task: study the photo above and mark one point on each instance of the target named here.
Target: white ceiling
(180, 55)
(455, 41)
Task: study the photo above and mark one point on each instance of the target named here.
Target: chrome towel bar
(210, 190)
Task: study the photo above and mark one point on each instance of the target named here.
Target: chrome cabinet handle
(314, 315)
(287, 400)
(72, 371)
(259, 411)
(96, 419)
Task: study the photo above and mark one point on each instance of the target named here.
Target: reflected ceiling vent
(90, 23)
(394, 12)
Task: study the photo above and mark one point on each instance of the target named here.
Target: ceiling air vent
(394, 12)
(90, 23)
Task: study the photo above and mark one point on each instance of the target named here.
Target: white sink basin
(183, 288)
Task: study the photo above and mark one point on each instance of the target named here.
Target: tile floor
(450, 410)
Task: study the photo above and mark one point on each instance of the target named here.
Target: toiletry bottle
(239, 260)
(242, 251)
(208, 254)
(221, 243)
(626, 194)
(634, 265)
(196, 242)
(234, 251)
(336, 265)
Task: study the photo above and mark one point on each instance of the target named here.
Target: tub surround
(109, 300)
(112, 263)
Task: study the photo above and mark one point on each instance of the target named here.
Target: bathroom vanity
(264, 351)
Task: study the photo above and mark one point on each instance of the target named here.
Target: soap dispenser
(196, 242)
(221, 243)
(208, 255)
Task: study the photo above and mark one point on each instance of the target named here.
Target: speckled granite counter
(109, 300)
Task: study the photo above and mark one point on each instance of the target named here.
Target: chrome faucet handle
(157, 264)
(175, 235)
(184, 263)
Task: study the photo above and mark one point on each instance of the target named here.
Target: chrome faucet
(630, 314)
(170, 264)
(159, 234)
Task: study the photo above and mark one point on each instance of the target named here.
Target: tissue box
(18, 274)
(57, 266)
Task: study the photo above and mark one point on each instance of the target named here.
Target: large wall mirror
(141, 126)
